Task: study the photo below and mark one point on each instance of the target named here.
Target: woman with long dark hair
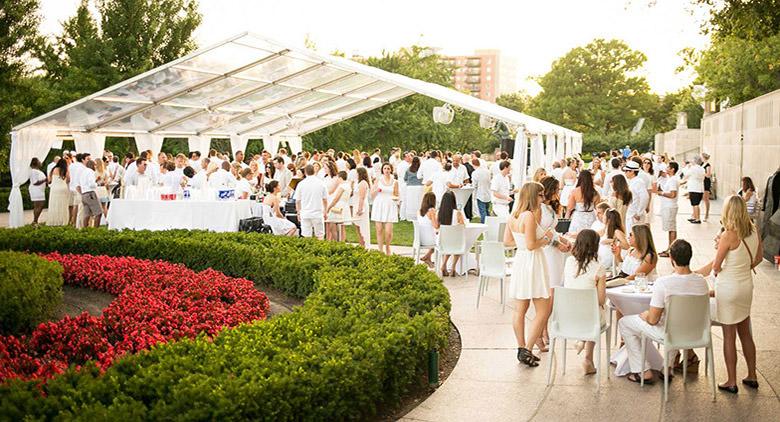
(273, 214)
(621, 196)
(449, 215)
(614, 233)
(582, 203)
(748, 193)
(427, 224)
(410, 177)
(385, 208)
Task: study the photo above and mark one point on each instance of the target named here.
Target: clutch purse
(615, 282)
(563, 225)
(336, 210)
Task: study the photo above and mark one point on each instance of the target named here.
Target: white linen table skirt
(469, 262)
(140, 214)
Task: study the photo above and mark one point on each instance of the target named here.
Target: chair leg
(479, 290)
(608, 351)
(711, 361)
(563, 372)
(685, 366)
(550, 360)
(666, 374)
(598, 364)
(503, 296)
(642, 368)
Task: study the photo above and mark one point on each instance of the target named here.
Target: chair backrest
(575, 314)
(687, 321)
(501, 229)
(492, 262)
(452, 239)
(492, 233)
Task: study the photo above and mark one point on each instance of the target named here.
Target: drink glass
(641, 282)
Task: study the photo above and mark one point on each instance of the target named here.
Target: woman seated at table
(427, 224)
(170, 178)
(614, 234)
(338, 207)
(583, 271)
(449, 215)
(243, 185)
(272, 215)
(641, 258)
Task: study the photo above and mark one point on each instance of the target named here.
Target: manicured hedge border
(360, 339)
(30, 290)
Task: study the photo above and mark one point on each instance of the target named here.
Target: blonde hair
(735, 216)
(540, 174)
(528, 198)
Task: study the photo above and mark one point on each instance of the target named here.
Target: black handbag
(563, 225)
(254, 225)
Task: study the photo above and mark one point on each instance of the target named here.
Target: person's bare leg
(455, 259)
(542, 308)
(388, 237)
(706, 205)
(730, 354)
(444, 260)
(380, 235)
(696, 212)
(587, 364)
(748, 347)
(72, 211)
(518, 323)
(37, 210)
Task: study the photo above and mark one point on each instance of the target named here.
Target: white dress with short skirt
(530, 277)
(385, 208)
(555, 258)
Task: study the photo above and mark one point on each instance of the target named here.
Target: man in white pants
(500, 187)
(636, 212)
(311, 200)
(666, 188)
(683, 282)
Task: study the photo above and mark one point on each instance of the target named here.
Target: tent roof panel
(252, 85)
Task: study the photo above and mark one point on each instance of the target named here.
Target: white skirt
(555, 263)
(384, 209)
(530, 279)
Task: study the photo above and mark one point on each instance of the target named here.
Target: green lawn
(403, 233)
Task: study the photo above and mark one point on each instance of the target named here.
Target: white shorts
(316, 225)
(75, 199)
(669, 219)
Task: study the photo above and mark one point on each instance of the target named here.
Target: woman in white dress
(102, 186)
(583, 271)
(59, 195)
(338, 211)
(598, 174)
(739, 251)
(272, 214)
(582, 203)
(427, 224)
(360, 209)
(529, 281)
(332, 184)
(385, 209)
(37, 189)
(569, 177)
(449, 215)
(641, 258)
(614, 234)
(244, 184)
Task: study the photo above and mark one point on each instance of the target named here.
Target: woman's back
(587, 277)
(737, 264)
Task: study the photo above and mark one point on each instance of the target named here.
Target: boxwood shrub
(30, 290)
(360, 338)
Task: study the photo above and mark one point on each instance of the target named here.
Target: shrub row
(155, 302)
(30, 290)
(360, 339)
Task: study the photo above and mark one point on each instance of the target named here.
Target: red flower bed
(156, 302)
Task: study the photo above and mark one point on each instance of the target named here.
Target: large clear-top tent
(249, 87)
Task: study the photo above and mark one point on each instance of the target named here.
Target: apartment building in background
(484, 74)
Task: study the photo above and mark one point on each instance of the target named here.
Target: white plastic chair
(417, 244)
(452, 241)
(687, 326)
(492, 264)
(575, 316)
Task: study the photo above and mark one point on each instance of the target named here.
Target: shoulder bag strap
(751, 256)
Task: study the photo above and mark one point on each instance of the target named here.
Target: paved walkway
(488, 384)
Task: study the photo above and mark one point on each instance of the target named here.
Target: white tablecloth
(462, 196)
(468, 261)
(629, 302)
(138, 214)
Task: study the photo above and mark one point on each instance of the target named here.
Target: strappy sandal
(525, 356)
(634, 377)
(692, 366)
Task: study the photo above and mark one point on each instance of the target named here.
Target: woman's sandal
(525, 356)
(635, 377)
(692, 367)
(542, 347)
(733, 389)
(750, 383)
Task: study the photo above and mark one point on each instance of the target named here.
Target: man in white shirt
(459, 175)
(240, 159)
(195, 160)
(666, 188)
(283, 154)
(500, 187)
(557, 171)
(311, 200)
(636, 212)
(429, 168)
(480, 179)
(496, 169)
(283, 175)
(222, 178)
(694, 180)
(614, 168)
(139, 177)
(87, 185)
(683, 282)
(51, 165)
(341, 164)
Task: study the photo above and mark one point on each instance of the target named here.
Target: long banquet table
(144, 214)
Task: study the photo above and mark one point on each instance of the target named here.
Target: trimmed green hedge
(360, 339)
(30, 290)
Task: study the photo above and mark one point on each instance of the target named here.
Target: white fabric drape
(26, 144)
(271, 144)
(537, 152)
(549, 155)
(519, 159)
(92, 143)
(57, 143)
(149, 141)
(578, 145)
(238, 143)
(201, 144)
(296, 144)
(560, 149)
(569, 151)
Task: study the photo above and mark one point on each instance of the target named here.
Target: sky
(533, 32)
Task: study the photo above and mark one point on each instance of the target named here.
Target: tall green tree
(744, 19)
(407, 123)
(596, 89)
(517, 101)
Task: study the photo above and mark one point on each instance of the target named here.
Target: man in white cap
(635, 214)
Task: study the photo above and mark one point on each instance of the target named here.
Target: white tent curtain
(296, 144)
(92, 143)
(578, 145)
(26, 144)
(271, 144)
(201, 144)
(550, 152)
(559, 147)
(537, 152)
(238, 143)
(148, 141)
(519, 159)
(569, 150)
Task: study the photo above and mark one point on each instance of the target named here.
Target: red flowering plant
(156, 301)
